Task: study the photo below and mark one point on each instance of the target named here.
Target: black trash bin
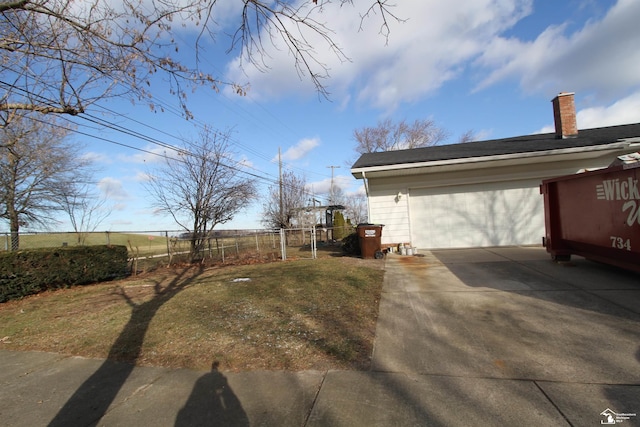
(370, 239)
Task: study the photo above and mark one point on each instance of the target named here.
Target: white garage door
(479, 215)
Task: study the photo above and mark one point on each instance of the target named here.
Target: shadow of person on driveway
(212, 402)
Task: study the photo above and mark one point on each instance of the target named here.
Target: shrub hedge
(28, 272)
(351, 244)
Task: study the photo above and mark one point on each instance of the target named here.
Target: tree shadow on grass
(91, 400)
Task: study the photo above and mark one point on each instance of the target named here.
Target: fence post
(314, 247)
(166, 236)
(283, 245)
(108, 238)
(257, 245)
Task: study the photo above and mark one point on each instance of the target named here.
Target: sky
(489, 66)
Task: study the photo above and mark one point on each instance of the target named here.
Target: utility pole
(329, 213)
(281, 217)
(331, 189)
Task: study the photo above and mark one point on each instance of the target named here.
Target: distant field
(147, 244)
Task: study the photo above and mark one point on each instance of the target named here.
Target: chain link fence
(150, 248)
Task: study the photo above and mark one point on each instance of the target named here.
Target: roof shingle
(495, 147)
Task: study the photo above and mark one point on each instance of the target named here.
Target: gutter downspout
(366, 190)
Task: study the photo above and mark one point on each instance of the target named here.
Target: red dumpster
(595, 215)
(370, 239)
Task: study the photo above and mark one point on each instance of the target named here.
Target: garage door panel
(467, 216)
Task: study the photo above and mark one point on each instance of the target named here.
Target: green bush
(338, 226)
(351, 244)
(28, 272)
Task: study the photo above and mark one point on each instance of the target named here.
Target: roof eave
(481, 162)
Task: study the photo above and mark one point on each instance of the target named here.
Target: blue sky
(490, 66)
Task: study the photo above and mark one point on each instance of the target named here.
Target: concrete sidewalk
(469, 337)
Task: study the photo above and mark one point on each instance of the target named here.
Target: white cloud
(482, 134)
(142, 177)
(601, 59)
(546, 129)
(423, 52)
(323, 187)
(360, 191)
(623, 111)
(319, 187)
(113, 189)
(151, 154)
(246, 162)
(301, 149)
(93, 157)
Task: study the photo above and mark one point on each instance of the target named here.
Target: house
(483, 193)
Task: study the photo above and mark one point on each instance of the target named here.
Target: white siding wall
(385, 209)
(396, 216)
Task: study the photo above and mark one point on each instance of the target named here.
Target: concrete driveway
(499, 336)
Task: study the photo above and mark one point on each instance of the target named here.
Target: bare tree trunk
(14, 219)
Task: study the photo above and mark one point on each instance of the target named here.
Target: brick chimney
(564, 115)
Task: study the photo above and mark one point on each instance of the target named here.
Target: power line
(202, 125)
(127, 131)
(118, 128)
(283, 125)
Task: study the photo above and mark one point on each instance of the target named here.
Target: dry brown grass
(306, 314)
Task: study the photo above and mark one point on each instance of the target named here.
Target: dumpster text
(622, 190)
(620, 243)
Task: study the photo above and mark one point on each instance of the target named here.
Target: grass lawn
(306, 314)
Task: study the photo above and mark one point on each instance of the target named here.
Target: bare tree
(355, 205)
(86, 211)
(201, 187)
(337, 195)
(60, 56)
(356, 208)
(388, 136)
(468, 136)
(294, 196)
(38, 170)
